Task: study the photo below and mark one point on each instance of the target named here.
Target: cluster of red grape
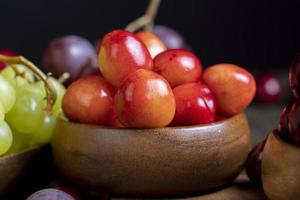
(288, 128)
(142, 84)
(77, 56)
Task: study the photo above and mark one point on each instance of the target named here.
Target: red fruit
(178, 66)
(113, 119)
(5, 53)
(253, 163)
(70, 191)
(152, 42)
(97, 73)
(283, 122)
(289, 125)
(294, 76)
(171, 38)
(220, 118)
(145, 100)
(195, 104)
(268, 88)
(89, 100)
(233, 86)
(72, 54)
(122, 53)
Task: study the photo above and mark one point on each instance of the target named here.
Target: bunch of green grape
(24, 122)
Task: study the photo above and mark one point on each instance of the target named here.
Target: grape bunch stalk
(30, 102)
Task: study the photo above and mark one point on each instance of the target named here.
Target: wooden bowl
(13, 167)
(172, 161)
(280, 169)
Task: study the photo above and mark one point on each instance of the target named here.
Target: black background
(251, 33)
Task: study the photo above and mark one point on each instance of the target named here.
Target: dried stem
(147, 20)
(50, 90)
(65, 76)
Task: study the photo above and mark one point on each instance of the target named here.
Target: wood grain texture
(172, 161)
(240, 189)
(280, 169)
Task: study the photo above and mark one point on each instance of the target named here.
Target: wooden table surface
(241, 189)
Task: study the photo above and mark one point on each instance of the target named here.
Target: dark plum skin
(253, 163)
(294, 76)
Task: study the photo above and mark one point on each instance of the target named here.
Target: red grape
(152, 42)
(294, 76)
(72, 54)
(233, 86)
(178, 66)
(289, 128)
(253, 163)
(283, 122)
(195, 104)
(5, 52)
(268, 88)
(89, 100)
(122, 53)
(50, 194)
(171, 38)
(145, 100)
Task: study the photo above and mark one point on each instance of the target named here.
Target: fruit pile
(24, 116)
(142, 84)
(288, 128)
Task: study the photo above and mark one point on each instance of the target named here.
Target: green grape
(9, 74)
(44, 133)
(6, 137)
(60, 91)
(2, 112)
(20, 142)
(7, 94)
(27, 114)
(25, 71)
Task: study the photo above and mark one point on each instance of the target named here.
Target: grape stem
(50, 90)
(147, 20)
(65, 76)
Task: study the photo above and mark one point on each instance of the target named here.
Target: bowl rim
(22, 152)
(275, 134)
(63, 118)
